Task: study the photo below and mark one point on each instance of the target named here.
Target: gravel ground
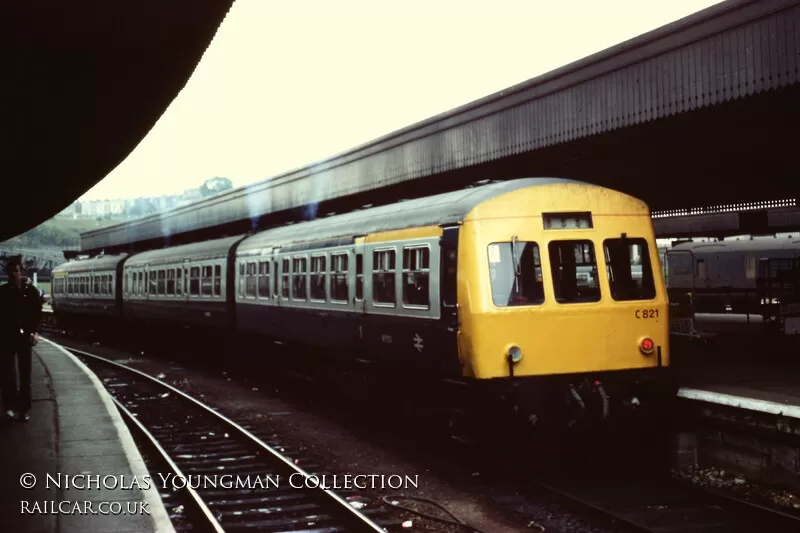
(739, 486)
(342, 448)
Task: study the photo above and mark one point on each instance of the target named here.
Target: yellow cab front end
(561, 279)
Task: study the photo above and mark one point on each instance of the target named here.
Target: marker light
(515, 354)
(647, 345)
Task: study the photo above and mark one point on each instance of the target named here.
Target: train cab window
(206, 281)
(629, 270)
(317, 278)
(299, 270)
(515, 272)
(217, 280)
(383, 284)
(416, 274)
(194, 281)
(339, 277)
(179, 281)
(285, 273)
(574, 271)
(263, 279)
(359, 277)
(250, 280)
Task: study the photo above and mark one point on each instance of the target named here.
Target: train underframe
(621, 414)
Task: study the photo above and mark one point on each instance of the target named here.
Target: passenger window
(299, 270)
(171, 282)
(161, 282)
(153, 281)
(179, 281)
(701, 268)
(250, 283)
(217, 280)
(416, 273)
(263, 279)
(383, 268)
(194, 281)
(574, 271)
(750, 266)
(515, 271)
(285, 273)
(318, 278)
(629, 271)
(339, 277)
(359, 276)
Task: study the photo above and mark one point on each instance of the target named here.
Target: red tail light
(647, 346)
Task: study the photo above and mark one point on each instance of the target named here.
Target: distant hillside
(60, 232)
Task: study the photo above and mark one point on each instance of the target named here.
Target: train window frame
(194, 280)
(646, 261)
(206, 280)
(297, 275)
(378, 255)
(286, 278)
(179, 281)
(152, 278)
(251, 280)
(162, 282)
(408, 274)
(264, 278)
(502, 253)
(217, 281)
(359, 276)
(339, 273)
(315, 275)
(750, 266)
(556, 275)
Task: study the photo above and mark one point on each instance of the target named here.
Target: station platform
(77, 449)
(744, 418)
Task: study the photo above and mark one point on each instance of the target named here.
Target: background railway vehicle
(732, 276)
(86, 293)
(541, 297)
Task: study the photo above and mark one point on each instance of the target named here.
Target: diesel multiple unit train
(546, 290)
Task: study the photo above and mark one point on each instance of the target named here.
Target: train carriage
(85, 290)
(183, 285)
(724, 276)
(530, 278)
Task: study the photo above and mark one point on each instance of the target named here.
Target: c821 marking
(646, 313)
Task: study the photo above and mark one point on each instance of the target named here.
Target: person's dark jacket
(20, 308)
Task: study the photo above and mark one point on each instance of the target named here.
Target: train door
(358, 285)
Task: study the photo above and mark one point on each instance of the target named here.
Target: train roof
(445, 208)
(196, 251)
(755, 245)
(103, 262)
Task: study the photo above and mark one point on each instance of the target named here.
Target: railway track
(666, 506)
(636, 505)
(236, 480)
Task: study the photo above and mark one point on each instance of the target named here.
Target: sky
(285, 84)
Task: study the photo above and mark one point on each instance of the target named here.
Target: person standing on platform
(20, 318)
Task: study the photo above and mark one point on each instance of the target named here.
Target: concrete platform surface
(79, 456)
